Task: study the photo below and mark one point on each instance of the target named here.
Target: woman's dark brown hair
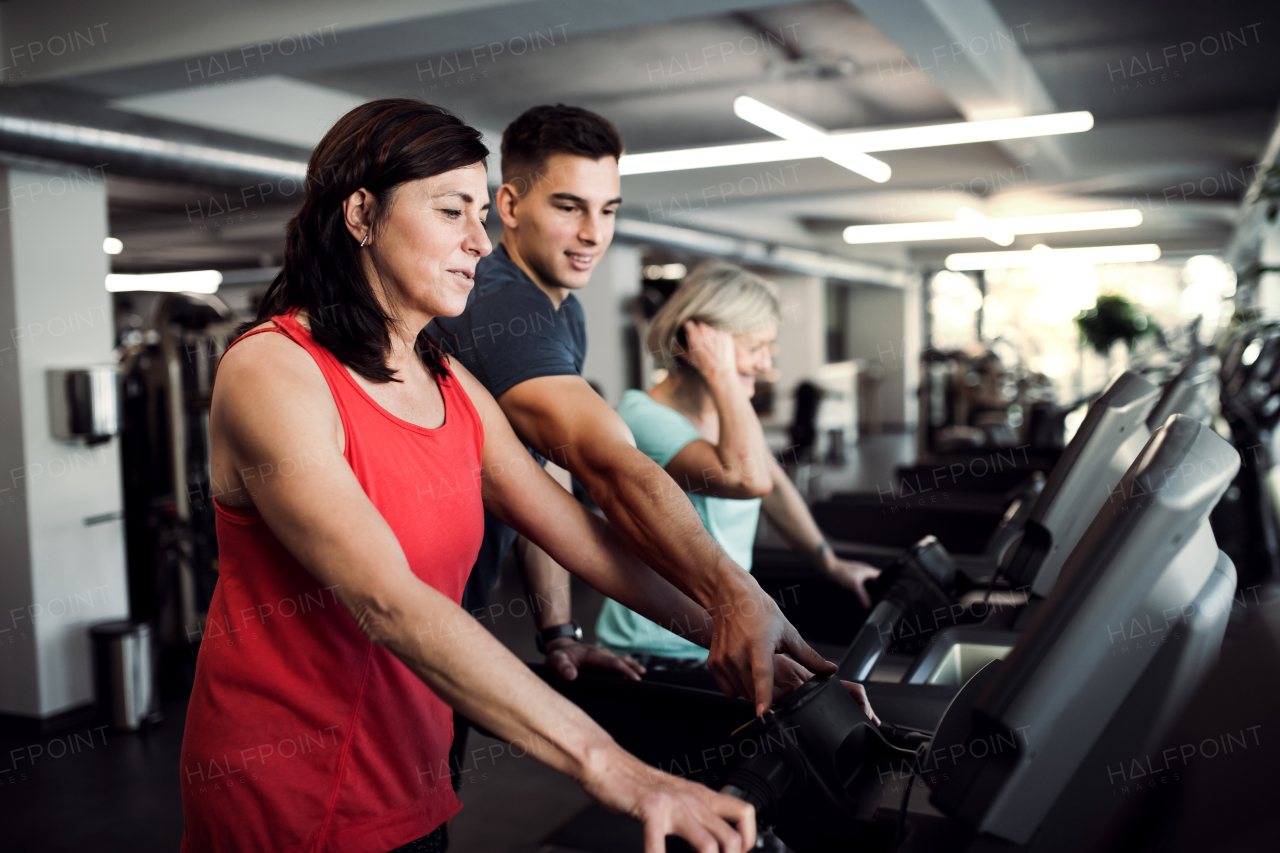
(378, 146)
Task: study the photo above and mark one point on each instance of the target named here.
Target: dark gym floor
(88, 787)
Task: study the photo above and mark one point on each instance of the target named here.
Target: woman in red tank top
(351, 462)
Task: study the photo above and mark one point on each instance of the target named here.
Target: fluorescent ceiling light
(195, 281)
(990, 229)
(962, 132)
(712, 156)
(888, 139)
(965, 225)
(1044, 255)
(817, 140)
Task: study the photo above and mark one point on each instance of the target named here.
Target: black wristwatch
(555, 632)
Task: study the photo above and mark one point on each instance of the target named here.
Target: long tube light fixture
(962, 132)
(887, 139)
(1044, 255)
(795, 129)
(993, 231)
(973, 224)
(193, 281)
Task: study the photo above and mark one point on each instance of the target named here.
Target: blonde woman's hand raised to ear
(710, 351)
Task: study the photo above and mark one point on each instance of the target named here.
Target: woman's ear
(357, 211)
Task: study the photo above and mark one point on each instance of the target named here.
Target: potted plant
(1113, 318)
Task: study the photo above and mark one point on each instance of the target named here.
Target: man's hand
(566, 656)
(788, 675)
(852, 575)
(749, 631)
(668, 805)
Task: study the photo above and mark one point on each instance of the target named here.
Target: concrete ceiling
(1179, 142)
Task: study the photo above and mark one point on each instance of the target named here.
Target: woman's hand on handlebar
(668, 805)
(566, 656)
(853, 575)
(788, 675)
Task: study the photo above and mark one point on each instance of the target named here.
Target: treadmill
(924, 591)
(1031, 750)
(670, 721)
(1104, 445)
(928, 590)
(820, 610)
(963, 507)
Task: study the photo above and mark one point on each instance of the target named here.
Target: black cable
(902, 812)
(921, 752)
(991, 585)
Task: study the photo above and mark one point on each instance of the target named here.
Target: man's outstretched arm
(546, 584)
(567, 421)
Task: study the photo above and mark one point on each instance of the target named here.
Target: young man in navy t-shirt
(523, 336)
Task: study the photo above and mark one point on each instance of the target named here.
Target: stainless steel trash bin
(125, 682)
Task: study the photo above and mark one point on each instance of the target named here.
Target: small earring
(365, 240)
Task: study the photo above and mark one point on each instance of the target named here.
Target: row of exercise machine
(1018, 683)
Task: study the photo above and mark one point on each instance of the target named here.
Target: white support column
(884, 330)
(615, 280)
(912, 346)
(58, 575)
(801, 339)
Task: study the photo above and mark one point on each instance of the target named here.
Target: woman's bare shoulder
(262, 351)
(269, 365)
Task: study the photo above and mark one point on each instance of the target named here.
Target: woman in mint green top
(713, 336)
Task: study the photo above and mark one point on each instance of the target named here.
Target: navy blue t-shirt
(509, 332)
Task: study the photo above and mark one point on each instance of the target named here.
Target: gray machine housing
(1148, 559)
(1109, 439)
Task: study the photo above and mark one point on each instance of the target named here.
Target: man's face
(562, 222)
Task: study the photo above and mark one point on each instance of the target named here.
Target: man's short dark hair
(539, 132)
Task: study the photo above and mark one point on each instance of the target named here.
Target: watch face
(556, 632)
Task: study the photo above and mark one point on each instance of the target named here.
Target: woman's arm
(272, 403)
(734, 467)
(789, 513)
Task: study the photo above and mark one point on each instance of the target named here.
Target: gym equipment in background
(1246, 522)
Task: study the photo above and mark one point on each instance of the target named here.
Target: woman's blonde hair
(719, 294)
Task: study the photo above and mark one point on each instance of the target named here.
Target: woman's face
(427, 247)
(752, 353)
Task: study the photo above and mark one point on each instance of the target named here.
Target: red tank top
(301, 734)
